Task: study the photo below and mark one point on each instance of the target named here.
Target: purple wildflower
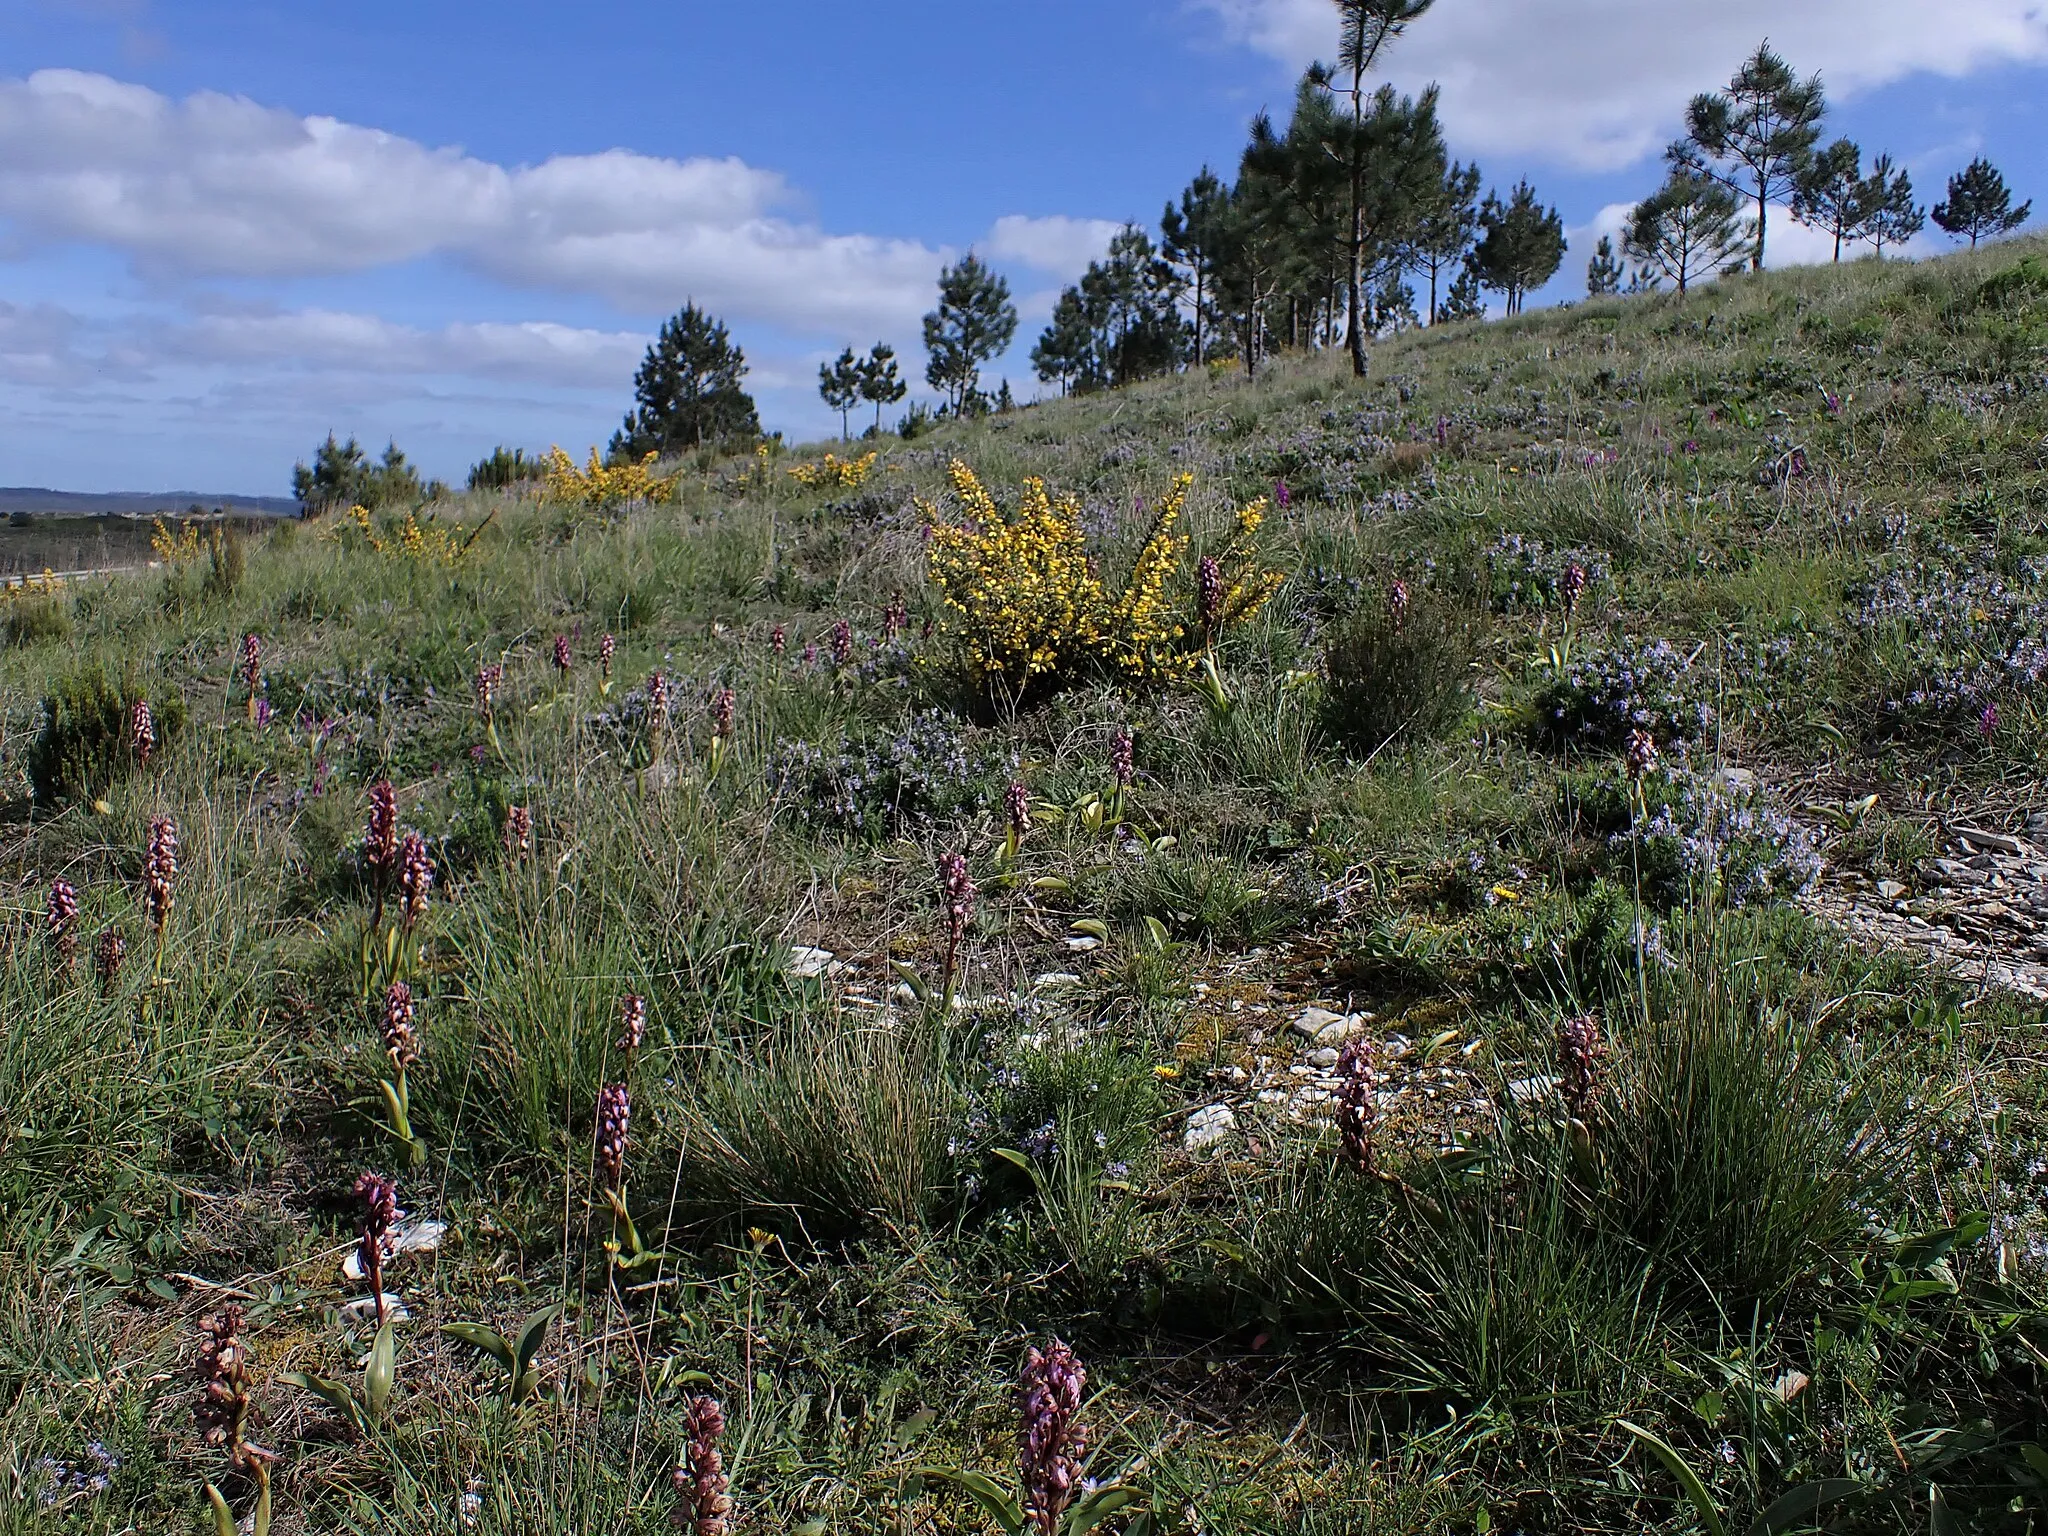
(614, 1115)
(1051, 1439)
(563, 660)
(699, 1477)
(632, 1023)
(377, 1202)
(1579, 1050)
(1122, 758)
(415, 877)
(160, 871)
(61, 922)
(401, 1040)
(1209, 595)
(142, 730)
(380, 833)
(518, 831)
(1358, 1113)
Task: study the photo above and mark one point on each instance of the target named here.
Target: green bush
(83, 749)
(1410, 680)
(42, 616)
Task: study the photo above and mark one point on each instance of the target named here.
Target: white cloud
(46, 344)
(536, 352)
(222, 186)
(37, 345)
(1059, 246)
(1600, 84)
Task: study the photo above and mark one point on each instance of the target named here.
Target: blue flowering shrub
(1698, 833)
(1598, 700)
(1946, 645)
(929, 769)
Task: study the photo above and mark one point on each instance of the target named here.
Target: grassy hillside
(1439, 1092)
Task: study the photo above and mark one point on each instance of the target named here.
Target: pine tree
(1756, 137)
(1894, 218)
(880, 383)
(687, 391)
(1367, 27)
(1192, 238)
(336, 477)
(1979, 205)
(974, 323)
(839, 386)
(1522, 246)
(1686, 230)
(1066, 351)
(1444, 232)
(1604, 273)
(1830, 194)
(1464, 300)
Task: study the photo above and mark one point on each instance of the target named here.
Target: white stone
(1209, 1125)
(807, 964)
(1531, 1089)
(1083, 945)
(1326, 1057)
(1054, 979)
(1314, 1020)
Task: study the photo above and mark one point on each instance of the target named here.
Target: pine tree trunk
(1762, 214)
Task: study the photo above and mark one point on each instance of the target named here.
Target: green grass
(1799, 1240)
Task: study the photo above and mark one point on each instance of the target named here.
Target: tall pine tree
(1756, 137)
(1830, 194)
(839, 387)
(880, 383)
(1366, 27)
(1192, 238)
(687, 391)
(974, 323)
(1522, 246)
(1688, 229)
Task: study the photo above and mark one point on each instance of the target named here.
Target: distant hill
(35, 501)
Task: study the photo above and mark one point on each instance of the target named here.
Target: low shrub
(36, 617)
(1699, 835)
(85, 747)
(1399, 676)
(929, 770)
(1601, 699)
(1026, 608)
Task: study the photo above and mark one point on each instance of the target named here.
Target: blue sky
(227, 227)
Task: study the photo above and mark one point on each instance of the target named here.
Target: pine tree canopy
(974, 323)
(1756, 137)
(1979, 205)
(1523, 245)
(687, 391)
(1688, 229)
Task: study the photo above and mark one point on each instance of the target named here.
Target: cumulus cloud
(535, 352)
(47, 344)
(219, 185)
(1600, 84)
(1059, 246)
(38, 345)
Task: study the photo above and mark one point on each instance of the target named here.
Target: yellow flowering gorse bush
(426, 543)
(839, 474)
(178, 548)
(32, 585)
(598, 485)
(1024, 599)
